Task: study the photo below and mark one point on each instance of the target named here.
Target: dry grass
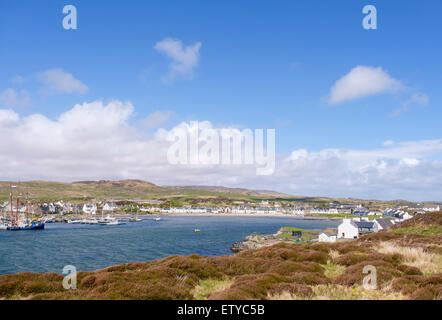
(333, 270)
(334, 254)
(428, 263)
(206, 287)
(337, 292)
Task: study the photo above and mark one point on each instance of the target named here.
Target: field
(408, 266)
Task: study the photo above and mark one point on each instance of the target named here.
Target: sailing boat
(33, 224)
(3, 225)
(134, 219)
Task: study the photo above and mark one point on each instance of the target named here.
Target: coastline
(285, 270)
(252, 215)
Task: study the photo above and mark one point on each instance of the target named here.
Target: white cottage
(327, 237)
(109, 207)
(348, 230)
(89, 209)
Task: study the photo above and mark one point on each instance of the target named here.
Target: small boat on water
(4, 226)
(134, 219)
(114, 223)
(92, 221)
(157, 219)
(109, 221)
(33, 225)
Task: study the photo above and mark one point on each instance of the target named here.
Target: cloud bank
(97, 141)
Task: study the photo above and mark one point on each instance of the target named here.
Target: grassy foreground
(408, 265)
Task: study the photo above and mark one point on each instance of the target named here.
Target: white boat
(3, 226)
(114, 223)
(93, 221)
(106, 220)
(134, 219)
(157, 219)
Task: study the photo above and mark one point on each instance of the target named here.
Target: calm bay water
(91, 247)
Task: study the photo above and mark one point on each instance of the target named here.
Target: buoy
(197, 230)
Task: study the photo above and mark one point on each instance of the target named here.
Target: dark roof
(385, 223)
(364, 224)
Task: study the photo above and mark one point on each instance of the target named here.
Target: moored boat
(33, 225)
(16, 224)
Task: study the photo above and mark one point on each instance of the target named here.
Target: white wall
(347, 231)
(325, 238)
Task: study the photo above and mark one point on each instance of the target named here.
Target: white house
(89, 209)
(109, 207)
(348, 230)
(431, 208)
(327, 237)
(405, 216)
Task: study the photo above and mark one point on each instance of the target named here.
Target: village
(352, 213)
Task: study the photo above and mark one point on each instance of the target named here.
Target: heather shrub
(409, 270)
(404, 285)
(353, 275)
(293, 289)
(432, 292)
(309, 278)
(249, 287)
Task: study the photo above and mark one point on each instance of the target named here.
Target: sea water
(92, 247)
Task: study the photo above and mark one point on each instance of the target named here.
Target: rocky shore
(284, 234)
(254, 241)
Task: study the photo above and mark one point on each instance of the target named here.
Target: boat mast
(16, 210)
(10, 201)
(27, 211)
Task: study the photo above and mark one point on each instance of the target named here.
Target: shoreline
(251, 215)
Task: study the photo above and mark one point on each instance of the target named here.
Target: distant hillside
(43, 191)
(237, 191)
(129, 189)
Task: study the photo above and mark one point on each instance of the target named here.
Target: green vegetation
(331, 215)
(333, 270)
(307, 235)
(429, 230)
(206, 287)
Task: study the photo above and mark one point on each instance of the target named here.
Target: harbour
(94, 246)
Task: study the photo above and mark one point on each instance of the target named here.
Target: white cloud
(184, 59)
(12, 99)
(57, 81)
(415, 99)
(156, 119)
(362, 81)
(96, 141)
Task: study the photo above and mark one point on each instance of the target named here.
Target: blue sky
(261, 64)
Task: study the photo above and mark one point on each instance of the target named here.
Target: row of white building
(354, 228)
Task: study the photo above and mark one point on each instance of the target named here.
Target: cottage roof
(384, 223)
(364, 224)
